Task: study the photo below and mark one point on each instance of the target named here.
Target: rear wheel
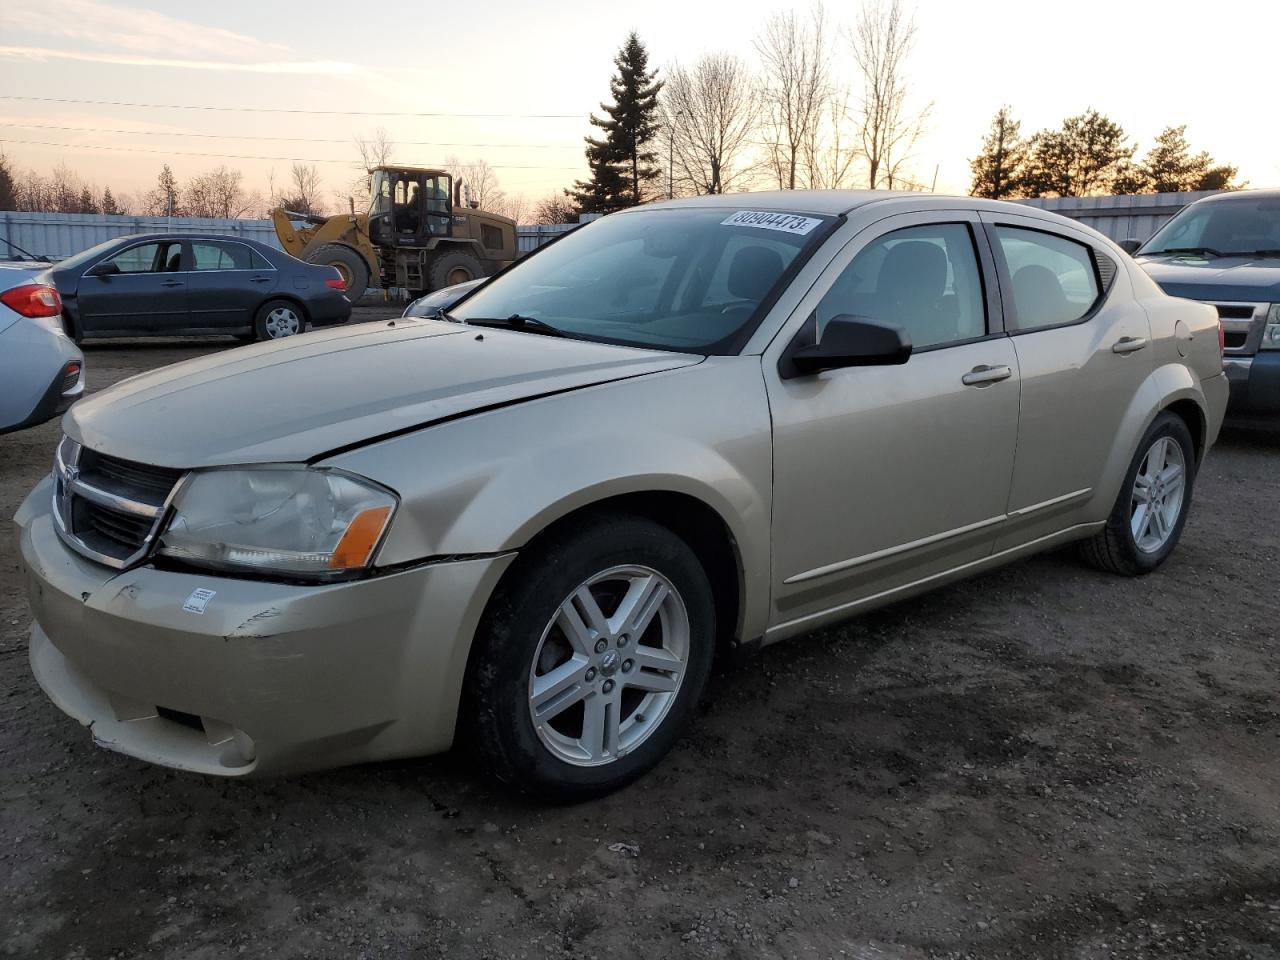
(355, 272)
(1148, 517)
(591, 659)
(277, 319)
(456, 266)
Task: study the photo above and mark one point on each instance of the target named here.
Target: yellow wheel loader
(420, 234)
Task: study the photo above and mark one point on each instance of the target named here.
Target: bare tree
(480, 179)
(375, 151)
(302, 195)
(710, 112)
(515, 206)
(889, 128)
(219, 193)
(555, 208)
(795, 90)
(832, 148)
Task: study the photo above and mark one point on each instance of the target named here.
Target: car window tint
(221, 256)
(259, 261)
(1054, 280)
(923, 279)
(140, 259)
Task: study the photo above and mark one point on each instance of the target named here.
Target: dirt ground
(1043, 762)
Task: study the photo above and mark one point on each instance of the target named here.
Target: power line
(219, 136)
(332, 113)
(238, 156)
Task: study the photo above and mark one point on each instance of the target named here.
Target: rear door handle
(171, 283)
(259, 279)
(984, 375)
(1128, 344)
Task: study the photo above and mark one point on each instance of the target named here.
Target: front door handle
(171, 283)
(1128, 344)
(984, 375)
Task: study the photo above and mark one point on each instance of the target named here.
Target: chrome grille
(109, 509)
(1242, 326)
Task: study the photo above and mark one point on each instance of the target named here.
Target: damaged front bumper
(269, 678)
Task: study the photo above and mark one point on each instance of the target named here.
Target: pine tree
(998, 168)
(87, 203)
(1082, 159)
(8, 186)
(109, 205)
(621, 165)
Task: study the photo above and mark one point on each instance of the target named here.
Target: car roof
(136, 237)
(1241, 195)
(843, 202)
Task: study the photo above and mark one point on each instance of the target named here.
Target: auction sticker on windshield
(782, 222)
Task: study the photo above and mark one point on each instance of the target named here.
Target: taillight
(337, 283)
(33, 300)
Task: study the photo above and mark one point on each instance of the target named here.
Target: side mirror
(1130, 245)
(848, 341)
(104, 269)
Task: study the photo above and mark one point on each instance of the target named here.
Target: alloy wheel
(609, 665)
(1158, 492)
(282, 322)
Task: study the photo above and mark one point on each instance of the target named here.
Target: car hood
(300, 398)
(1216, 278)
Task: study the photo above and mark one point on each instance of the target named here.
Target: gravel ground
(1042, 762)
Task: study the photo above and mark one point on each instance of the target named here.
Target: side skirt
(814, 621)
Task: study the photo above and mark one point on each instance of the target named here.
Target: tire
(1135, 540)
(350, 264)
(277, 319)
(446, 269)
(521, 642)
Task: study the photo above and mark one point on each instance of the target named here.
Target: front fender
(490, 483)
(1166, 385)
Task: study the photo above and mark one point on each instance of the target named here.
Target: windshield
(379, 193)
(88, 256)
(1240, 225)
(692, 280)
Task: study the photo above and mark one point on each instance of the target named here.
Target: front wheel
(591, 659)
(1148, 517)
(449, 267)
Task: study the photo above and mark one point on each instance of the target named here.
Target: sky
(513, 82)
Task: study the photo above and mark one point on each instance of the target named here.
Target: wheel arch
(1172, 388)
(690, 518)
(1193, 414)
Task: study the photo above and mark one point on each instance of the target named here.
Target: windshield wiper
(1252, 253)
(518, 322)
(1155, 253)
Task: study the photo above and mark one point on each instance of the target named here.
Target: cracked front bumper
(270, 678)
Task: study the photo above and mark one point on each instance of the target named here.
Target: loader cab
(409, 207)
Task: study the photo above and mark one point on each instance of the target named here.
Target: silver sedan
(41, 370)
(532, 522)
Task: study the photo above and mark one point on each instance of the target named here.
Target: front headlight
(1271, 332)
(294, 521)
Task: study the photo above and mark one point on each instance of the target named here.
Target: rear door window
(208, 255)
(1054, 279)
